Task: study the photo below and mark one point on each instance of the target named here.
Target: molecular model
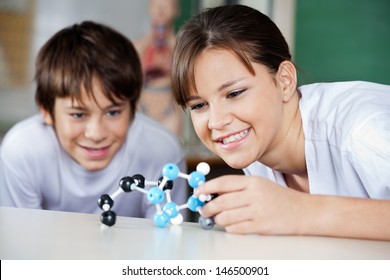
(158, 192)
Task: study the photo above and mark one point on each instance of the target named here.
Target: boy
(88, 135)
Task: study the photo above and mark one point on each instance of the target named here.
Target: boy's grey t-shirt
(36, 172)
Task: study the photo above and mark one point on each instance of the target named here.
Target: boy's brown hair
(75, 56)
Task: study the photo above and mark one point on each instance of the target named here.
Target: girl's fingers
(234, 216)
(223, 184)
(227, 201)
(241, 227)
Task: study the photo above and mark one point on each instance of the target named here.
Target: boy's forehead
(93, 98)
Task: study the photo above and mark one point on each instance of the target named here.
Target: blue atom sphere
(171, 209)
(155, 195)
(193, 203)
(195, 178)
(161, 219)
(171, 171)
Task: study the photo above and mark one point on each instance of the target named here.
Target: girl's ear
(287, 79)
(46, 116)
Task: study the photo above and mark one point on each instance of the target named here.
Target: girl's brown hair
(251, 35)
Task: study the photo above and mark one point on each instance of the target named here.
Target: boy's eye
(77, 115)
(113, 113)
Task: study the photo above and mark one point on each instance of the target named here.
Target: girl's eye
(197, 106)
(235, 93)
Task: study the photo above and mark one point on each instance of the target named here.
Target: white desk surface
(39, 234)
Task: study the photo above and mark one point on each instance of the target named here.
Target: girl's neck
(288, 156)
(297, 182)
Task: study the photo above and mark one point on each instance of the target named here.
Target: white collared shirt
(347, 140)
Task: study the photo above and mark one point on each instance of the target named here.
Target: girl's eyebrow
(192, 97)
(229, 83)
(222, 87)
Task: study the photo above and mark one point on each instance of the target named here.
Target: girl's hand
(249, 204)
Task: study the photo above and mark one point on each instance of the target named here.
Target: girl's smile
(233, 140)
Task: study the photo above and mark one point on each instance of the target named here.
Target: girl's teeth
(235, 137)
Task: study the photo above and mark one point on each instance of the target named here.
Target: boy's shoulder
(147, 134)
(149, 128)
(27, 135)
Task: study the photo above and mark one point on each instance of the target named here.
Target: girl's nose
(218, 119)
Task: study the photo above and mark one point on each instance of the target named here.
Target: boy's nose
(95, 130)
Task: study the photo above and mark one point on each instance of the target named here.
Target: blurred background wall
(340, 40)
(331, 40)
(25, 25)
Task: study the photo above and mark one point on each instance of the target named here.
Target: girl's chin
(237, 166)
(235, 163)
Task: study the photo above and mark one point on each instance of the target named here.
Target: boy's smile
(96, 153)
(91, 131)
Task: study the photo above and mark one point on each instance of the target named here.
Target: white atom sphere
(203, 167)
(177, 220)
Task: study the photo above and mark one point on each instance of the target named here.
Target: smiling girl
(316, 157)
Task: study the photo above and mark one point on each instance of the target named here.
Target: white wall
(130, 17)
(282, 12)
